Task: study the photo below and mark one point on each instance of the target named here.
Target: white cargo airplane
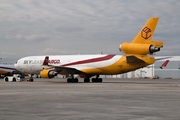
(7, 69)
(94, 65)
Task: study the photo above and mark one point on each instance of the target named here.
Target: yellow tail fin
(142, 43)
(146, 32)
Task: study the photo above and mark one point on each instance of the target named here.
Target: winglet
(164, 64)
(46, 61)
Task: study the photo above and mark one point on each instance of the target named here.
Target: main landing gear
(72, 80)
(86, 80)
(97, 79)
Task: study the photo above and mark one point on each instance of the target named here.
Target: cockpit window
(17, 62)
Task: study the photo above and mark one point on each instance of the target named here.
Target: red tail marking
(46, 60)
(164, 64)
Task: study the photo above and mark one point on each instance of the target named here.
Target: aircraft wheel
(93, 80)
(69, 80)
(6, 79)
(76, 80)
(31, 80)
(97, 80)
(100, 80)
(14, 79)
(86, 80)
(73, 80)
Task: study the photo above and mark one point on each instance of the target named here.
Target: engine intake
(136, 48)
(48, 73)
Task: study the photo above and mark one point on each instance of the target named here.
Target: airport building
(172, 70)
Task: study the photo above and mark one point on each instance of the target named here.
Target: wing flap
(68, 70)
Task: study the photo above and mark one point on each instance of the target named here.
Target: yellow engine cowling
(137, 48)
(48, 73)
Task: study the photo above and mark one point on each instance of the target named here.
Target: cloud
(50, 51)
(7, 53)
(27, 38)
(168, 49)
(69, 28)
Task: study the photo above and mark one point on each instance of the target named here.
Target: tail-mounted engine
(48, 73)
(137, 48)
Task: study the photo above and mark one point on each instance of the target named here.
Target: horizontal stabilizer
(133, 59)
(162, 58)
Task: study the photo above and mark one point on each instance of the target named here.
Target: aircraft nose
(16, 65)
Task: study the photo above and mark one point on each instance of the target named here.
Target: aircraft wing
(62, 68)
(133, 59)
(156, 59)
(67, 70)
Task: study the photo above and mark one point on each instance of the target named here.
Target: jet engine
(48, 73)
(136, 48)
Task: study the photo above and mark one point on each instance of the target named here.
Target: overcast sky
(52, 27)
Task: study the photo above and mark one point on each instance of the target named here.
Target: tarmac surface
(114, 99)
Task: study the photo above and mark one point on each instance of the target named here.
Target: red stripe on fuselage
(90, 60)
(8, 68)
